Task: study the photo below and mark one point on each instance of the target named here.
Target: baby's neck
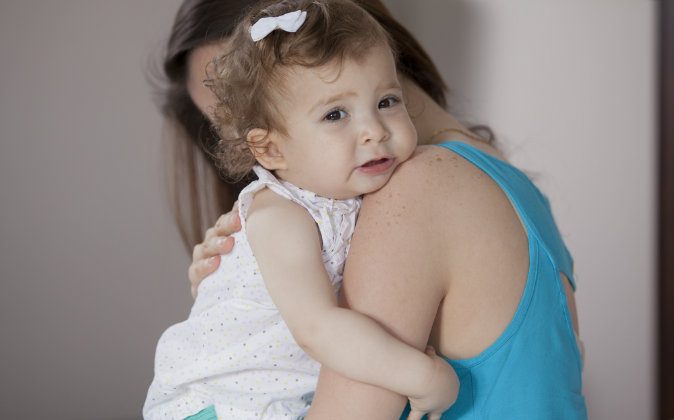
(300, 185)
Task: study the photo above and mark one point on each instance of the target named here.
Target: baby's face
(347, 126)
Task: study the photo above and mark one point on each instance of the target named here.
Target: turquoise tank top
(533, 370)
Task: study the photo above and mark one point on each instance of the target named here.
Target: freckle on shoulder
(428, 160)
(420, 172)
(436, 171)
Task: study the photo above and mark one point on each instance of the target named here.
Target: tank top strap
(532, 206)
(265, 179)
(335, 218)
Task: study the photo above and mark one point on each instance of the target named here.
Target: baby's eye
(335, 115)
(388, 102)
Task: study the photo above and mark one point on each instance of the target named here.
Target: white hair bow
(290, 22)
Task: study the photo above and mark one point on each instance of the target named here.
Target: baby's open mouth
(377, 166)
(375, 162)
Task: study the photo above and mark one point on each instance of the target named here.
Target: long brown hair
(198, 194)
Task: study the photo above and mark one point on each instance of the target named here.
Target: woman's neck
(429, 118)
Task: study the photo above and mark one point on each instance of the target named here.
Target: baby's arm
(286, 244)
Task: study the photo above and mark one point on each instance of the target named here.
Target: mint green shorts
(207, 413)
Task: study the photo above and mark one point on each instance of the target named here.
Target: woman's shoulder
(435, 171)
(438, 184)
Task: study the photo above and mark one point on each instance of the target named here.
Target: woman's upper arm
(392, 276)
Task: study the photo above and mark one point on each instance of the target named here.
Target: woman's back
(525, 363)
(483, 273)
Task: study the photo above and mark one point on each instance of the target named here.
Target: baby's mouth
(376, 166)
(375, 162)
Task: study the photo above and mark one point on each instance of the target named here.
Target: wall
(92, 268)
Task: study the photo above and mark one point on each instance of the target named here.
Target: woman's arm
(395, 274)
(291, 264)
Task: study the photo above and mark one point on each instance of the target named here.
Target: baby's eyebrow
(393, 84)
(331, 99)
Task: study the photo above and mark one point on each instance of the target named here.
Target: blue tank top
(533, 370)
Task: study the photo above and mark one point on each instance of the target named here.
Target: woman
(461, 243)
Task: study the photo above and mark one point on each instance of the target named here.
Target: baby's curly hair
(247, 78)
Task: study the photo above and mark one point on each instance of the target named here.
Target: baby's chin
(359, 184)
(374, 185)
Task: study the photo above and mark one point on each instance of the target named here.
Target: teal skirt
(207, 413)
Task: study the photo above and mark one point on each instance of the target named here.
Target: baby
(310, 100)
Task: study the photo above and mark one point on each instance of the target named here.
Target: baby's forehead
(373, 68)
(326, 74)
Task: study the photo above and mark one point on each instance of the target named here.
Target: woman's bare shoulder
(435, 185)
(429, 177)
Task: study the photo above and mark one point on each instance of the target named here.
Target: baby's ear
(265, 146)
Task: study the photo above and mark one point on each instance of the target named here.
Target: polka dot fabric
(234, 351)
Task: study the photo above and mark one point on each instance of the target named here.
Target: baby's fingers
(418, 415)
(415, 415)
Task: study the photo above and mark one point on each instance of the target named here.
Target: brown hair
(248, 79)
(197, 193)
(199, 196)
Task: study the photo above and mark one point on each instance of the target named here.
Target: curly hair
(248, 77)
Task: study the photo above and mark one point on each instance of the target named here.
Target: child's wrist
(425, 377)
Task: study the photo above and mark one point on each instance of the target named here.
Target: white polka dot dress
(234, 351)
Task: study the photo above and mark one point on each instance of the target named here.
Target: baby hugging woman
(462, 253)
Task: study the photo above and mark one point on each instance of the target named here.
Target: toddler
(310, 100)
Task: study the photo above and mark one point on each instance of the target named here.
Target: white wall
(568, 86)
(91, 266)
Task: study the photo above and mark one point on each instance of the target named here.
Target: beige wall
(91, 265)
(568, 86)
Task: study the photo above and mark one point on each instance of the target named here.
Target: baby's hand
(442, 391)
